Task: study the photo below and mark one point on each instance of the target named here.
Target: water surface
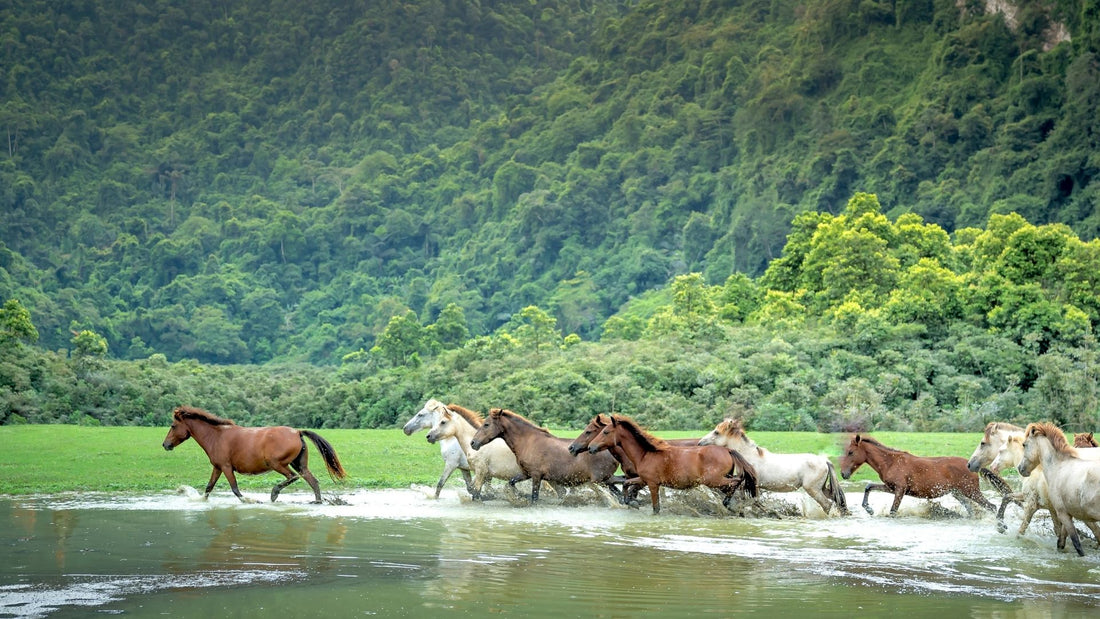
(401, 553)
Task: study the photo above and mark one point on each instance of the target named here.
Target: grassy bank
(62, 458)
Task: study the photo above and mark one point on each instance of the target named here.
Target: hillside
(247, 182)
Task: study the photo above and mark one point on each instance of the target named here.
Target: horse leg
(1095, 530)
(448, 468)
(535, 483)
(899, 493)
(1067, 525)
(867, 491)
(1031, 505)
(213, 480)
(474, 492)
(655, 496)
(818, 495)
(290, 476)
(312, 481)
(232, 478)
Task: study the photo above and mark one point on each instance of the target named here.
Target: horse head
(424, 418)
(490, 430)
(1035, 436)
(594, 427)
(605, 438)
(991, 447)
(443, 427)
(854, 456)
(1084, 439)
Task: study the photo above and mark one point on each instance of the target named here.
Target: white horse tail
(832, 488)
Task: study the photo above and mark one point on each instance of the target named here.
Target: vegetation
(131, 459)
(321, 214)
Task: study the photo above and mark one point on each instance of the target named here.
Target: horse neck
(629, 444)
(748, 448)
(205, 434)
(464, 432)
(516, 433)
(1049, 457)
(879, 458)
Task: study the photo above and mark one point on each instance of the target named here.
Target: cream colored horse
(782, 472)
(1002, 447)
(493, 461)
(1073, 483)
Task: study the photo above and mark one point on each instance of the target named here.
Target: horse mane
(732, 426)
(993, 426)
(496, 412)
(1053, 433)
(473, 418)
(1084, 439)
(876, 443)
(647, 440)
(190, 412)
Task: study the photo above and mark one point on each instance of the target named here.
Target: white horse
(454, 457)
(782, 472)
(1002, 447)
(1073, 483)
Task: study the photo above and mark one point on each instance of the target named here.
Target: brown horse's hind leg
(291, 477)
(300, 464)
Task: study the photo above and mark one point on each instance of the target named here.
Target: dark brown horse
(251, 451)
(657, 463)
(902, 474)
(1084, 439)
(598, 423)
(541, 455)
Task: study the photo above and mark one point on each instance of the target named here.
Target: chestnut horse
(251, 451)
(657, 463)
(541, 455)
(1084, 439)
(902, 474)
(1072, 482)
(599, 422)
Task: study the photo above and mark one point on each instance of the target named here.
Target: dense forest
(829, 214)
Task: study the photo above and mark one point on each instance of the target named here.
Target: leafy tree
(401, 343)
(15, 324)
(536, 330)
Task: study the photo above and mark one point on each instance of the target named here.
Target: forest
(835, 214)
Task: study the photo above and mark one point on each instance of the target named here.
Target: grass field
(62, 458)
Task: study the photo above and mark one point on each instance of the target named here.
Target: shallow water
(399, 552)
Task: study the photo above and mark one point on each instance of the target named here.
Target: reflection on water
(402, 553)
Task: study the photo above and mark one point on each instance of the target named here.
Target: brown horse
(1084, 439)
(903, 474)
(541, 455)
(251, 451)
(598, 423)
(657, 463)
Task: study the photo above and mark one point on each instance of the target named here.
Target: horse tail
(833, 489)
(997, 482)
(748, 474)
(335, 469)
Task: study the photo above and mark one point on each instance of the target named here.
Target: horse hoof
(869, 511)
(1001, 528)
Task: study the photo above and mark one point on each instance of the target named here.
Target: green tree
(402, 341)
(536, 329)
(15, 324)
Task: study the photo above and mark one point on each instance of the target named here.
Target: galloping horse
(541, 455)
(782, 472)
(1001, 447)
(1084, 439)
(659, 464)
(494, 460)
(251, 451)
(903, 474)
(598, 423)
(1073, 483)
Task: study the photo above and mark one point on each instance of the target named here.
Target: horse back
(252, 450)
(935, 476)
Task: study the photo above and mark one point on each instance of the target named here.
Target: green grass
(61, 458)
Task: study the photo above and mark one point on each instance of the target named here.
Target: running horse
(234, 449)
(657, 463)
(783, 472)
(541, 455)
(1073, 482)
(903, 474)
(598, 423)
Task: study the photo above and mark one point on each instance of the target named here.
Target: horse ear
(856, 440)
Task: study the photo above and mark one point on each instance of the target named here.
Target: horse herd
(1059, 477)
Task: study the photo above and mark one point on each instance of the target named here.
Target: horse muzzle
(973, 465)
(574, 450)
(432, 439)
(475, 444)
(167, 446)
(845, 474)
(1024, 468)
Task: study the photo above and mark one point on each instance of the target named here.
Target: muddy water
(400, 553)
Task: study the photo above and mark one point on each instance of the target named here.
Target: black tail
(995, 480)
(748, 474)
(335, 469)
(833, 489)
